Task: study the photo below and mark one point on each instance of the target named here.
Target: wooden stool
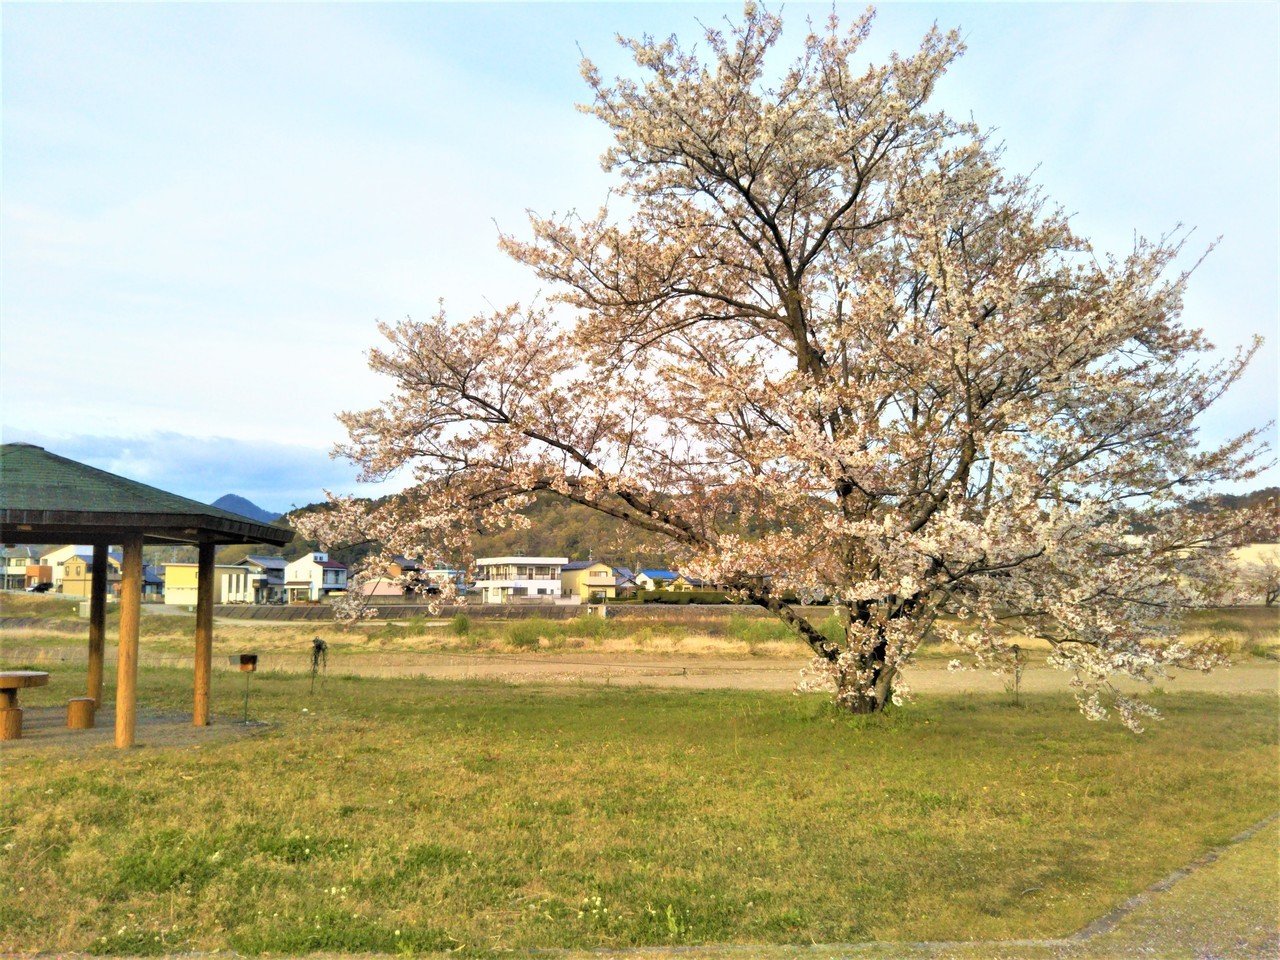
(80, 712)
(11, 723)
(11, 681)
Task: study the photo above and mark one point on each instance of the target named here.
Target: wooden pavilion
(45, 498)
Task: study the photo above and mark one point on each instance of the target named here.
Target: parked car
(40, 588)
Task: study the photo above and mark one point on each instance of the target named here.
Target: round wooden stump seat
(80, 713)
(11, 681)
(11, 723)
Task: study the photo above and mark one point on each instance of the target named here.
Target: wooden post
(97, 621)
(127, 657)
(204, 635)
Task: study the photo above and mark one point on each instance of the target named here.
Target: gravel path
(677, 671)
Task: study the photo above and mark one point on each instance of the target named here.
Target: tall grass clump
(460, 625)
(414, 626)
(753, 630)
(528, 634)
(591, 627)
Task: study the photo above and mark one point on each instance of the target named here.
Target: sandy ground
(928, 675)
(46, 728)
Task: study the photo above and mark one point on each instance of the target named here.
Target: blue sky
(207, 207)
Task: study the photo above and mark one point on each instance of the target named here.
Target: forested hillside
(558, 528)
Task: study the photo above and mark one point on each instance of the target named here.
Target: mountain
(246, 508)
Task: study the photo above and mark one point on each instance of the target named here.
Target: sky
(208, 207)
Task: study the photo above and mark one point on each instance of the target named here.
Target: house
(39, 573)
(152, 583)
(519, 579)
(13, 572)
(77, 574)
(231, 584)
(624, 582)
(55, 559)
(266, 577)
(684, 583)
(655, 579)
(589, 581)
(314, 577)
(417, 579)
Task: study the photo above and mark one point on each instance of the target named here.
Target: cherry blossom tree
(823, 347)
(1262, 579)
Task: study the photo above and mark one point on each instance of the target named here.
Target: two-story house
(77, 577)
(16, 560)
(519, 579)
(655, 579)
(589, 580)
(405, 576)
(313, 577)
(266, 578)
(77, 574)
(56, 557)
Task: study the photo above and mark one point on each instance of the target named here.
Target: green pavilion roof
(45, 498)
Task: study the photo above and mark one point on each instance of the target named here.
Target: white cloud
(275, 476)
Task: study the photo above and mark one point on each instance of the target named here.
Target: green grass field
(408, 816)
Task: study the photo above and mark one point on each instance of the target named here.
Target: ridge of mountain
(246, 508)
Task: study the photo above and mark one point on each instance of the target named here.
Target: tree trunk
(869, 696)
(866, 686)
(872, 694)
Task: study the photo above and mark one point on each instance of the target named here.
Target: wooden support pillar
(97, 622)
(204, 635)
(127, 657)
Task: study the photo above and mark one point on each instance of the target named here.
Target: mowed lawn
(412, 816)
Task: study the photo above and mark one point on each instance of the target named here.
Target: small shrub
(460, 625)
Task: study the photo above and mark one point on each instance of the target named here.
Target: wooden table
(11, 681)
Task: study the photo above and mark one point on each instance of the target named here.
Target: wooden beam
(97, 622)
(204, 634)
(127, 657)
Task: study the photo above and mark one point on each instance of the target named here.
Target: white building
(519, 579)
(313, 578)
